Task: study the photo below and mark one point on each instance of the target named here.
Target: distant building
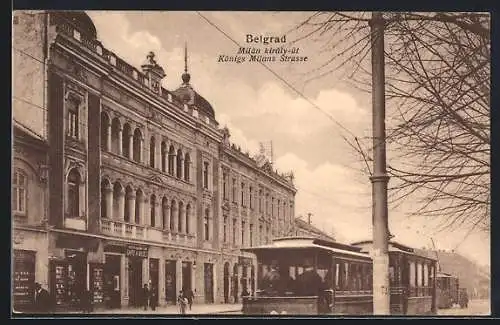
(145, 187)
(304, 228)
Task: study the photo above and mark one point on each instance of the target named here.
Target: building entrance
(154, 276)
(170, 281)
(186, 275)
(226, 282)
(112, 288)
(209, 282)
(135, 281)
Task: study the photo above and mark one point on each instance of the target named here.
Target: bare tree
(438, 101)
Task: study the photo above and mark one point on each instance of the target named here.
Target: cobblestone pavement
(475, 308)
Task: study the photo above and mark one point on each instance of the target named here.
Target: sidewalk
(202, 309)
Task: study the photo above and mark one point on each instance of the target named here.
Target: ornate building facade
(145, 187)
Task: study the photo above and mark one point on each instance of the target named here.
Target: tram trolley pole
(379, 179)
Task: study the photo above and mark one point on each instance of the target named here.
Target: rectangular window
(205, 175)
(73, 119)
(234, 190)
(251, 235)
(243, 194)
(251, 197)
(243, 233)
(19, 185)
(224, 186)
(234, 231)
(225, 230)
(206, 225)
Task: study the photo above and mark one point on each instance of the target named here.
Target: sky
(258, 105)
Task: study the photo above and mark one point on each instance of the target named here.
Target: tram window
(426, 275)
(419, 275)
(291, 272)
(347, 271)
(412, 274)
(337, 276)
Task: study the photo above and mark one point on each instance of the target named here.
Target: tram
(447, 290)
(307, 276)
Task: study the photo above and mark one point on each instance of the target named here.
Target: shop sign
(137, 251)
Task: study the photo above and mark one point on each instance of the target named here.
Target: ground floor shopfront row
(115, 271)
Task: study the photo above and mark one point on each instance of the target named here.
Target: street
(475, 308)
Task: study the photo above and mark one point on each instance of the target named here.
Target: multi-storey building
(145, 187)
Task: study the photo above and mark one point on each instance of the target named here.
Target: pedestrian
(152, 297)
(145, 296)
(43, 301)
(190, 297)
(182, 301)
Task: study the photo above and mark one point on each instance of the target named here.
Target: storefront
(71, 274)
(23, 279)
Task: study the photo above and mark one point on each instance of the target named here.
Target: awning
(76, 241)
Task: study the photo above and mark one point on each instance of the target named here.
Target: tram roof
(393, 247)
(309, 243)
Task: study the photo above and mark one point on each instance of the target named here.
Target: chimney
(309, 218)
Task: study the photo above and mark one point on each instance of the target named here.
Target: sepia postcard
(250, 163)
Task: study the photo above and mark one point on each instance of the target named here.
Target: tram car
(447, 290)
(307, 276)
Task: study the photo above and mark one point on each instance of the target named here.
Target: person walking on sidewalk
(190, 297)
(152, 297)
(182, 301)
(145, 296)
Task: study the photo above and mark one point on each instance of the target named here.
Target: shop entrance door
(112, 281)
(135, 281)
(226, 282)
(153, 276)
(24, 280)
(170, 281)
(186, 276)
(209, 282)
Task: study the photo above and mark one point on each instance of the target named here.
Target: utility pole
(379, 179)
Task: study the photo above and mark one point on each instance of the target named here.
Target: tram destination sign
(137, 251)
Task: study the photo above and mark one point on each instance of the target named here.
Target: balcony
(123, 229)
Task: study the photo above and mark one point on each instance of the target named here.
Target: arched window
(126, 140)
(188, 218)
(104, 131)
(153, 210)
(179, 217)
(115, 135)
(187, 165)
(74, 194)
(19, 187)
(171, 160)
(205, 175)
(152, 152)
(138, 204)
(117, 192)
(163, 156)
(206, 227)
(129, 194)
(104, 199)
(164, 211)
(137, 145)
(179, 164)
(173, 211)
